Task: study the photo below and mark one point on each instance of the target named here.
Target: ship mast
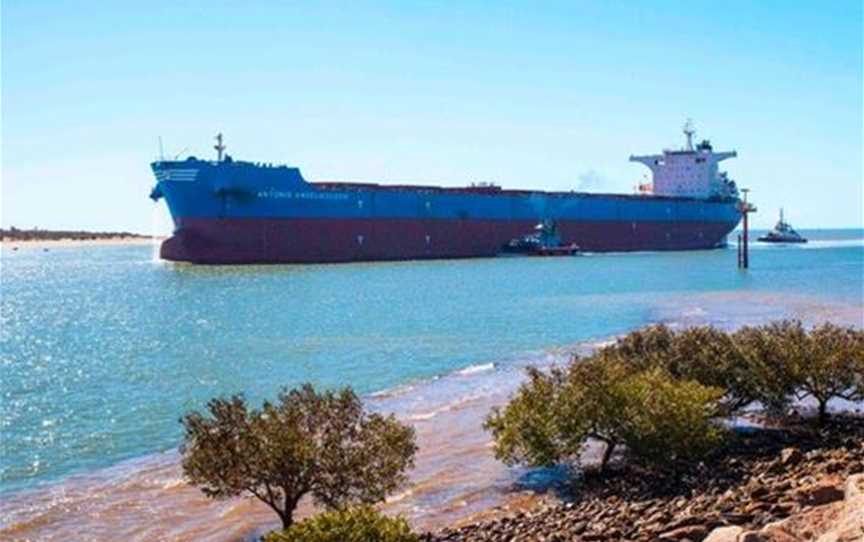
(689, 131)
(219, 147)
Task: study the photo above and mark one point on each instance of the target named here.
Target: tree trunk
(607, 455)
(823, 411)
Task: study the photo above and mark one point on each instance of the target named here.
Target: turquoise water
(103, 348)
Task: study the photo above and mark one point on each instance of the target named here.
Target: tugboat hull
(781, 241)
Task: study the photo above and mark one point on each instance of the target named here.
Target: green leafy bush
(769, 364)
(528, 430)
(666, 420)
(358, 524)
(826, 363)
(322, 444)
(658, 418)
(746, 364)
(660, 393)
(764, 368)
(593, 403)
(784, 360)
(715, 358)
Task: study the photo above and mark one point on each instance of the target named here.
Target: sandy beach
(16, 244)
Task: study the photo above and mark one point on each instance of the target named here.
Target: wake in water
(157, 228)
(815, 244)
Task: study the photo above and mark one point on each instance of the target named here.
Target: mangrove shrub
(661, 393)
(314, 443)
(826, 363)
(355, 524)
(658, 418)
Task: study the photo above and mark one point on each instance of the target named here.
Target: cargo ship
(235, 212)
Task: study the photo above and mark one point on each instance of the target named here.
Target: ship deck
(492, 190)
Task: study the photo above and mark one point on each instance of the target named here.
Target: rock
(613, 534)
(783, 485)
(737, 497)
(850, 526)
(737, 519)
(640, 506)
(834, 466)
(790, 456)
(758, 492)
(756, 506)
(776, 532)
(690, 532)
(783, 508)
(855, 490)
(724, 534)
(578, 527)
(685, 521)
(819, 493)
(661, 516)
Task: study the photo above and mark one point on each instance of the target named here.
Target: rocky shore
(799, 483)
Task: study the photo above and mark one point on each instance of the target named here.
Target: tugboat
(783, 232)
(544, 242)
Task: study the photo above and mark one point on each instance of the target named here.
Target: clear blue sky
(535, 94)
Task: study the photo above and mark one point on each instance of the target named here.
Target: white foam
(833, 243)
(602, 344)
(392, 392)
(429, 414)
(423, 416)
(810, 245)
(399, 496)
(172, 483)
(474, 369)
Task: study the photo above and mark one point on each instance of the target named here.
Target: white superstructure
(690, 172)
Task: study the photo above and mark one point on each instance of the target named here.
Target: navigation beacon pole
(219, 147)
(743, 241)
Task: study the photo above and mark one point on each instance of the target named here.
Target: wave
(833, 243)
(476, 382)
(812, 244)
(474, 369)
(396, 391)
(447, 407)
(399, 496)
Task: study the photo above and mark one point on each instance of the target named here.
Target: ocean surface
(102, 349)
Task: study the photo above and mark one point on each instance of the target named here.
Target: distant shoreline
(71, 242)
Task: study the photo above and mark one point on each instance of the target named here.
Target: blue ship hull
(239, 212)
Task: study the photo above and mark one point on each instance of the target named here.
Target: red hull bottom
(246, 241)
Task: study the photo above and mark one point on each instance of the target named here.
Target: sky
(541, 95)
